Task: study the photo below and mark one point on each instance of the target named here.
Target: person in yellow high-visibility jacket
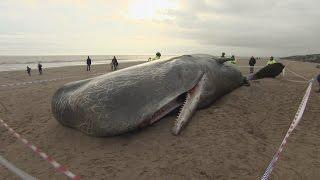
(232, 60)
(158, 55)
(271, 61)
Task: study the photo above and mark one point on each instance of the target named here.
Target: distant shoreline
(312, 58)
(50, 65)
(14, 63)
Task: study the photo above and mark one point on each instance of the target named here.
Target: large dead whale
(138, 96)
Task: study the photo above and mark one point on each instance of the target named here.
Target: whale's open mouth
(188, 101)
(171, 106)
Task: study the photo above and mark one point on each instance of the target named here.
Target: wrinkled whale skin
(125, 100)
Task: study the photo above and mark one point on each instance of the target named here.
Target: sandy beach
(235, 138)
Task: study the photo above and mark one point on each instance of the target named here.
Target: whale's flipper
(190, 105)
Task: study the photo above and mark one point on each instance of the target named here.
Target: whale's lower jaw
(190, 105)
(188, 101)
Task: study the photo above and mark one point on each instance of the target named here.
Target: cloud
(281, 27)
(242, 27)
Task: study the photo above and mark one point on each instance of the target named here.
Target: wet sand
(235, 138)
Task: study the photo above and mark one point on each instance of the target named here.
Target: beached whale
(138, 96)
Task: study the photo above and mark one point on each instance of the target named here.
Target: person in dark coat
(40, 68)
(29, 70)
(114, 63)
(318, 79)
(252, 62)
(88, 64)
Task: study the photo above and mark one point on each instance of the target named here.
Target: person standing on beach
(29, 70)
(88, 64)
(40, 68)
(318, 79)
(223, 58)
(252, 62)
(232, 60)
(114, 63)
(271, 61)
(158, 55)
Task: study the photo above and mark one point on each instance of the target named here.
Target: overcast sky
(240, 27)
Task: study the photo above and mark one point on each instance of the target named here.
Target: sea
(14, 63)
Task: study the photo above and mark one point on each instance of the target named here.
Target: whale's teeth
(181, 108)
(189, 106)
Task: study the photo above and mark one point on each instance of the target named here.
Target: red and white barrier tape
(293, 125)
(43, 155)
(23, 175)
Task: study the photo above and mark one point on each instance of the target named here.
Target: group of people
(158, 55)
(114, 64)
(232, 60)
(252, 61)
(39, 69)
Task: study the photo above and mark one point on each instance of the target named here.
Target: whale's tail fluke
(269, 71)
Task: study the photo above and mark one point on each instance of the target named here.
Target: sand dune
(235, 138)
